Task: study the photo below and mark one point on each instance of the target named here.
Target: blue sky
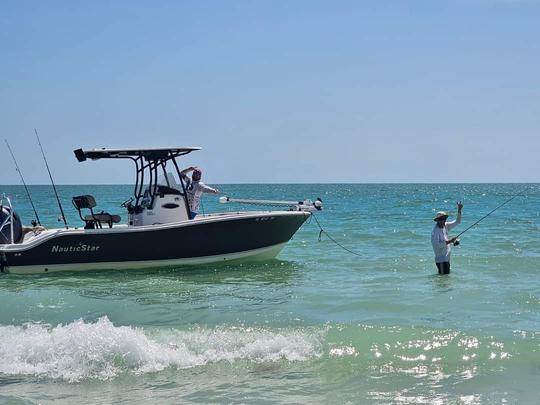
(275, 91)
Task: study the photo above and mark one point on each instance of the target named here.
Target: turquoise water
(315, 325)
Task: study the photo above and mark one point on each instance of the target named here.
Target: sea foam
(101, 350)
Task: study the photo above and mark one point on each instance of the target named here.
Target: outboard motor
(5, 226)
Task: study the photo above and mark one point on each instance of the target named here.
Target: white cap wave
(101, 350)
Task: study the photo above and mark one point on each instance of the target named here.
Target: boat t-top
(158, 232)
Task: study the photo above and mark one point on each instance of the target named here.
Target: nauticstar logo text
(77, 248)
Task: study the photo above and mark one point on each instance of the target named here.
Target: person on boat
(440, 240)
(195, 188)
(35, 229)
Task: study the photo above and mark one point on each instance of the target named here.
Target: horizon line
(295, 183)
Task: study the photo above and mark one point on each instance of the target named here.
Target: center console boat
(158, 231)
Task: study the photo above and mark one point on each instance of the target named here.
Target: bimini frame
(146, 160)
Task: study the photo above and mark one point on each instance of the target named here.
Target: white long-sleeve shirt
(439, 237)
(194, 191)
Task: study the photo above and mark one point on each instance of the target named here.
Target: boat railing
(306, 205)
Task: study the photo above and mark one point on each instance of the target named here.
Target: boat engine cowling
(5, 226)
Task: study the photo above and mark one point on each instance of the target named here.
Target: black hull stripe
(210, 238)
(248, 256)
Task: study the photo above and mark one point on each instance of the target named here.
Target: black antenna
(52, 181)
(23, 182)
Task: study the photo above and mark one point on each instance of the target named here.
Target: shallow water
(318, 324)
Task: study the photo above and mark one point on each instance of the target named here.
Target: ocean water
(316, 325)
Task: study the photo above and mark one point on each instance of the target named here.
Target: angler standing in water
(441, 241)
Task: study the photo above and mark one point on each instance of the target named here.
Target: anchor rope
(322, 231)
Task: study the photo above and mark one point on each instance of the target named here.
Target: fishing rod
(52, 181)
(23, 182)
(456, 243)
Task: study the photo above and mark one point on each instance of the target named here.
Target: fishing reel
(457, 242)
(127, 203)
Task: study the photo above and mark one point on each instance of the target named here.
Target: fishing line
(491, 212)
(23, 182)
(332, 239)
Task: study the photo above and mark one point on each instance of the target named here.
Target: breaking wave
(100, 350)
(81, 350)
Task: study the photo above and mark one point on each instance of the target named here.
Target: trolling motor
(307, 205)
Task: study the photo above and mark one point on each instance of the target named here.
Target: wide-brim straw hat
(440, 215)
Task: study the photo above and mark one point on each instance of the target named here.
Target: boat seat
(103, 217)
(93, 220)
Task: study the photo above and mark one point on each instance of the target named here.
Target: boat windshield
(169, 181)
(164, 183)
